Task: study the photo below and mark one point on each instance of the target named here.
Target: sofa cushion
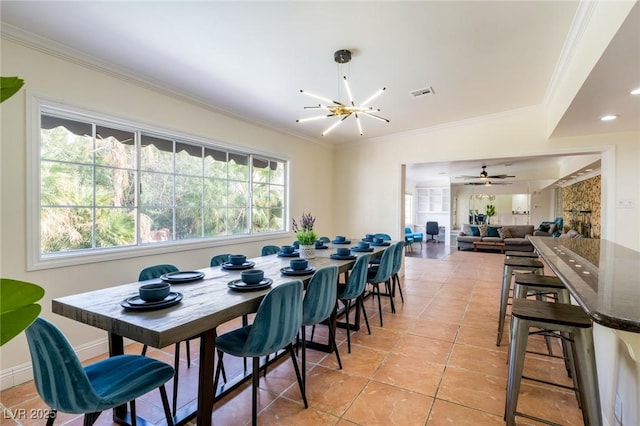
(504, 233)
(475, 231)
(468, 238)
(484, 232)
(493, 231)
(544, 228)
(492, 240)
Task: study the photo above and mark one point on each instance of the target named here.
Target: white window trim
(35, 261)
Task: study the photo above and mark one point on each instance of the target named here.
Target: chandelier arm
(334, 125)
(329, 101)
(346, 84)
(318, 117)
(376, 116)
(375, 95)
(359, 125)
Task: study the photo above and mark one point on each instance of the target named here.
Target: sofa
(518, 240)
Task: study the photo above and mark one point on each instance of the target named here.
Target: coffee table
(488, 244)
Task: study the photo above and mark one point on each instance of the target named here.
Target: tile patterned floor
(433, 363)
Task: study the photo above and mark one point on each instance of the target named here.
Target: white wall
(70, 83)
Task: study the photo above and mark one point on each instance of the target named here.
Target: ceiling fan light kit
(343, 110)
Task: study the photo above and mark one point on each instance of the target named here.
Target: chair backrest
(385, 237)
(397, 257)
(407, 230)
(357, 278)
(296, 244)
(219, 259)
(156, 271)
(384, 269)
(60, 379)
(433, 228)
(277, 321)
(267, 250)
(320, 296)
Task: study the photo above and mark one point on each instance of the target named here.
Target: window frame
(36, 260)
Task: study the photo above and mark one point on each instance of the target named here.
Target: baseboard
(23, 373)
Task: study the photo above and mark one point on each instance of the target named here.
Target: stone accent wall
(581, 207)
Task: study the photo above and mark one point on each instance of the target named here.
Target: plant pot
(307, 251)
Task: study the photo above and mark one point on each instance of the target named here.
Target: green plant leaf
(17, 307)
(9, 86)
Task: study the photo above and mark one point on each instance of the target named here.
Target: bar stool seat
(525, 254)
(510, 267)
(553, 317)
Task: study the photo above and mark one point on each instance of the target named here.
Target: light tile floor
(434, 362)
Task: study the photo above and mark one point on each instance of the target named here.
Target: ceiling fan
(485, 175)
(487, 183)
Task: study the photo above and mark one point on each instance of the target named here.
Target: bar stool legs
(553, 317)
(510, 266)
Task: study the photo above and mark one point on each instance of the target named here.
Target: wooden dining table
(206, 304)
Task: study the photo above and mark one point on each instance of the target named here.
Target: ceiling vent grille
(422, 92)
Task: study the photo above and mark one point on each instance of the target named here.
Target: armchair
(416, 237)
(549, 228)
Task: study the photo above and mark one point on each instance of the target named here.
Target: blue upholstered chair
(274, 327)
(354, 289)
(296, 244)
(397, 263)
(66, 386)
(219, 259)
(417, 237)
(319, 302)
(267, 250)
(150, 273)
(381, 274)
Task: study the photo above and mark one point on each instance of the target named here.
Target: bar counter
(603, 277)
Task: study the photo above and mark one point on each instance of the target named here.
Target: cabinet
(432, 204)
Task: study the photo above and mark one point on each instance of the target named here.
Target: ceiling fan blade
(500, 176)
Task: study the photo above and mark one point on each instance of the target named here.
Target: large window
(106, 184)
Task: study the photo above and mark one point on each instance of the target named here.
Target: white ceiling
(251, 59)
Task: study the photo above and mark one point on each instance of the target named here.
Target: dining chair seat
(66, 386)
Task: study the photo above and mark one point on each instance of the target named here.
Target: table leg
(116, 347)
(206, 392)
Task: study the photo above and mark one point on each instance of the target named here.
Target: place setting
(237, 262)
(250, 280)
(341, 239)
(298, 267)
(320, 245)
(343, 253)
(380, 242)
(151, 297)
(362, 246)
(288, 251)
(181, 277)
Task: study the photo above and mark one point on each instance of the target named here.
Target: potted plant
(306, 236)
(18, 307)
(490, 210)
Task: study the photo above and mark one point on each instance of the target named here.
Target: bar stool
(553, 317)
(512, 254)
(510, 267)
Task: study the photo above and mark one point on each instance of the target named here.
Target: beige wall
(69, 83)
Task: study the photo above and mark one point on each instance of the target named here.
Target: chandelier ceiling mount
(343, 110)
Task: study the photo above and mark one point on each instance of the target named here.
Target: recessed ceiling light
(636, 91)
(608, 117)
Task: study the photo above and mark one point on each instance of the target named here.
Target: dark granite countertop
(602, 276)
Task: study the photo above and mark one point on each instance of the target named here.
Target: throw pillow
(474, 231)
(493, 231)
(504, 233)
(544, 228)
(483, 230)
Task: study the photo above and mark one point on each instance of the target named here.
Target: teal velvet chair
(66, 386)
(416, 237)
(274, 327)
(353, 289)
(319, 302)
(219, 259)
(150, 273)
(397, 263)
(381, 275)
(267, 250)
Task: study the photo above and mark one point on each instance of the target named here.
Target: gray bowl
(252, 276)
(154, 292)
(237, 259)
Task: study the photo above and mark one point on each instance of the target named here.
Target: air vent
(422, 92)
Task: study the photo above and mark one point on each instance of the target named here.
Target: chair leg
(186, 342)
(165, 405)
(304, 359)
(295, 367)
(90, 418)
(134, 416)
(364, 312)
(52, 417)
(347, 305)
(376, 288)
(396, 279)
(144, 350)
(332, 340)
(255, 374)
(216, 377)
(387, 286)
